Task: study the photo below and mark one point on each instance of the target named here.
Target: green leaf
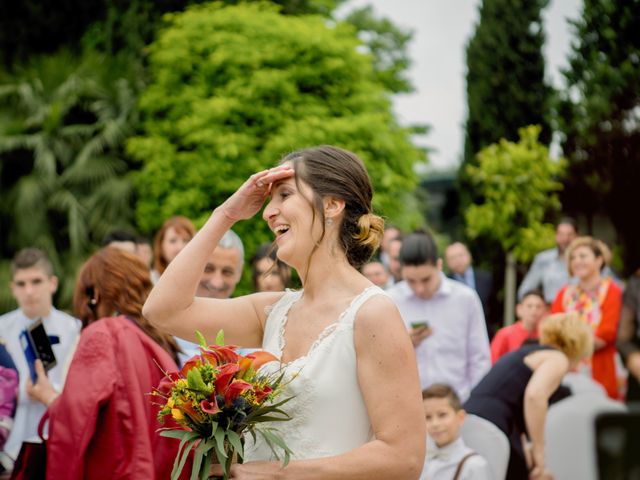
(214, 427)
(201, 340)
(219, 436)
(197, 462)
(206, 467)
(236, 443)
(175, 474)
(220, 338)
(194, 380)
(172, 433)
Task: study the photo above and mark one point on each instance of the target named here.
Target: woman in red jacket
(103, 424)
(597, 300)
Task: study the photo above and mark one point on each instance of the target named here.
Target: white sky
(442, 29)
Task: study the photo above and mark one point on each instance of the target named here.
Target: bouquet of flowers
(216, 398)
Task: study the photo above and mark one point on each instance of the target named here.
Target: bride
(356, 411)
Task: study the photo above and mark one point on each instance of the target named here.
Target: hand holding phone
(419, 324)
(37, 346)
(420, 330)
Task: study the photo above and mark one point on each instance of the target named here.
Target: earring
(329, 222)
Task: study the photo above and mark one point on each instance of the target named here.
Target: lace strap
(276, 318)
(350, 313)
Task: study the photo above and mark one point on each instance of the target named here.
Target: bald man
(459, 263)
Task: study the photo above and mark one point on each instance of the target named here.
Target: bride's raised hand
(249, 198)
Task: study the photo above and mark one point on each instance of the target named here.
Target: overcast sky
(442, 29)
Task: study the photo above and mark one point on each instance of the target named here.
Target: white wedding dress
(328, 413)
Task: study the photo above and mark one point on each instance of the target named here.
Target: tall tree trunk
(509, 289)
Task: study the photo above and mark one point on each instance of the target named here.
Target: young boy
(33, 285)
(530, 311)
(448, 458)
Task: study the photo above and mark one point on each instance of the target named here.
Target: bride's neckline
(326, 331)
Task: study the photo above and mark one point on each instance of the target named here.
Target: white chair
(570, 438)
(489, 441)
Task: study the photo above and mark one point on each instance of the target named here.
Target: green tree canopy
(62, 171)
(505, 79)
(519, 184)
(388, 45)
(32, 27)
(233, 89)
(599, 117)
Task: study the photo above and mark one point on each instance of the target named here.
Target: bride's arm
(388, 378)
(172, 304)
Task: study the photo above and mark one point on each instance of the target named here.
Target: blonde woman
(516, 392)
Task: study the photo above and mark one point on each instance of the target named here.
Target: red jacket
(103, 425)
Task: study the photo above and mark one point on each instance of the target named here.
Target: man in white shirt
(444, 318)
(33, 285)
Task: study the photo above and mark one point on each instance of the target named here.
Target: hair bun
(370, 230)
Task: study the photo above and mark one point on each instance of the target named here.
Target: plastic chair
(489, 441)
(570, 436)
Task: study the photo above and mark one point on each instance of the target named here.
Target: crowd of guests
(572, 316)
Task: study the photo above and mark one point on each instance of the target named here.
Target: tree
(388, 45)
(598, 115)
(233, 89)
(62, 175)
(109, 26)
(505, 80)
(518, 183)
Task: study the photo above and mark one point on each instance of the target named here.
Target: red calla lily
(261, 393)
(226, 373)
(235, 389)
(167, 382)
(218, 355)
(210, 406)
(193, 362)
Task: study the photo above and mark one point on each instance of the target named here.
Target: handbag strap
(456, 476)
(41, 424)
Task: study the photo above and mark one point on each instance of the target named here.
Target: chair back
(570, 435)
(489, 441)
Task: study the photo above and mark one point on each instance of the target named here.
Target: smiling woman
(597, 300)
(339, 340)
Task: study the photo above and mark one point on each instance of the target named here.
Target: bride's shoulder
(378, 309)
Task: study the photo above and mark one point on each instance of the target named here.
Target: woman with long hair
(343, 348)
(174, 234)
(103, 424)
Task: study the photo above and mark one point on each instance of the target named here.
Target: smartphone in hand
(37, 345)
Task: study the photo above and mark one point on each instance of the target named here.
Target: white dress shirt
(457, 352)
(441, 463)
(29, 412)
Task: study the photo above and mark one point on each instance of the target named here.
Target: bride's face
(290, 216)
